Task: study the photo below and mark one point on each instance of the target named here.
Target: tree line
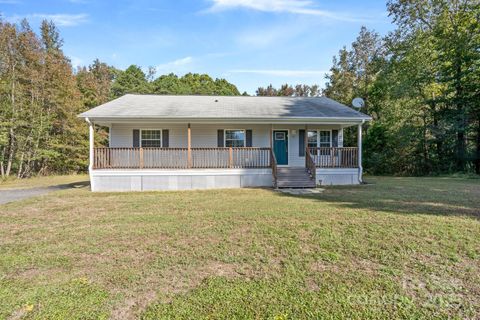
(41, 96)
(421, 85)
(287, 90)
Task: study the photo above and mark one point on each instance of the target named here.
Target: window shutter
(220, 138)
(136, 138)
(301, 143)
(248, 138)
(165, 139)
(334, 138)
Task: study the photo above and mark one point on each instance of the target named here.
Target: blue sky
(251, 43)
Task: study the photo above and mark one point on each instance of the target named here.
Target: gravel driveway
(9, 195)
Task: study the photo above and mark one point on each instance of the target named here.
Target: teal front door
(280, 146)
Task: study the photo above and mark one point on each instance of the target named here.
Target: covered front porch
(172, 166)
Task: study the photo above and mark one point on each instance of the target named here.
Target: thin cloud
(175, 65)
(76, 61)
(61, 19)
(10, 1)
(65, 20)
(303, 7)
(282, 72)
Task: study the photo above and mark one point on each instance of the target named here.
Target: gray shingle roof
(133, 106)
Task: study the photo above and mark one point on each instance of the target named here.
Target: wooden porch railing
(178, 158)
(346, 157)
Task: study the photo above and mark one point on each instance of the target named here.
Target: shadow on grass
(434, 196)
(73, 185)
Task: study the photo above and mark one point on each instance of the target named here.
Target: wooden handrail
(273, 164)
(310, 164)
(334, 157)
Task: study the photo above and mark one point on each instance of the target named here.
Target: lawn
(394, 248)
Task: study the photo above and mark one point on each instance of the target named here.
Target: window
(151, 138)
(279, 135)
(325, 139)
(235, 138)
(320, 138)
(312, 139)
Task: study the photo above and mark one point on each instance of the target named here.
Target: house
(159, 142)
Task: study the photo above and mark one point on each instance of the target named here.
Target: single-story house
(161, 142)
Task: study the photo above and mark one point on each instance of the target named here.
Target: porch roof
(220, 108)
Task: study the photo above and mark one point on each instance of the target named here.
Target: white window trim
(148, 129)
(244, 137)
(318, 136)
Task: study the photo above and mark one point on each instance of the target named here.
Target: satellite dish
(358, 103)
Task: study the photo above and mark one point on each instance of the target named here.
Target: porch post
(91, 143)
(271, 137)
(90, 151)
(189, 146)
(359, 141)
(305, 143)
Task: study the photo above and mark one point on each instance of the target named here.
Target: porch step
(294, 178)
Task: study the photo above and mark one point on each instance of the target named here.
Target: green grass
(395, 248)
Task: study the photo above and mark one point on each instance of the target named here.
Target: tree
(421, 86)
(193, 84)
(95, 82)
(452, 29)
(286, 90)
(269, 91)
(354, 71)
(39, 99)
(132, 80)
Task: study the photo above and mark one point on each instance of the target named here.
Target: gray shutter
(301, 143)
(248, 136)
(136, 138)
(220, 138)
(334, 138)
(165, 139)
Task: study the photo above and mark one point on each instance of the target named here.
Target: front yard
(397, 247)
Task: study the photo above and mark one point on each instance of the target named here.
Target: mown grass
(395, 248)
